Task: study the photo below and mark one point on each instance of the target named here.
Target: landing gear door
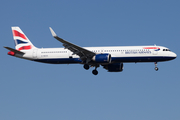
(35, 53)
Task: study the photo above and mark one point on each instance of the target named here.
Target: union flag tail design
(21, 40)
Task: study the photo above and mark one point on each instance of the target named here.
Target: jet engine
(102, 58)
(115, 67)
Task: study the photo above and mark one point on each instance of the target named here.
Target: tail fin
(21, 41)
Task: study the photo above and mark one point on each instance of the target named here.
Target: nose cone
(173, 55)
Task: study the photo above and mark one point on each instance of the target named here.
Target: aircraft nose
(173, 55)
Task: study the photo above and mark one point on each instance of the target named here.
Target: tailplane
(21, 40)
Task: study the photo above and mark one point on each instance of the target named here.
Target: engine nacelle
(102, 58)
(115, 67)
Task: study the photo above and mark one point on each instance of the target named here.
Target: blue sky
(30, 90)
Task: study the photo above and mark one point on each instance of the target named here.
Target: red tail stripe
(18, 34)
(25, 47)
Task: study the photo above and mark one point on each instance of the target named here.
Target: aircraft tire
(86, 66)
(156, 68)
(95, 72)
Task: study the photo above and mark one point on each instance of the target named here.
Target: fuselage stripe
(151, 48)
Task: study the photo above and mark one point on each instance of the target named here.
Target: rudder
(21, 40)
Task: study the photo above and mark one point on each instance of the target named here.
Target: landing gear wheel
(86, 66)
(156, 68)
(95, 72)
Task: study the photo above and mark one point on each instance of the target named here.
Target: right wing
(84, 54)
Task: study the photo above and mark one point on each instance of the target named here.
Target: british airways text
(138, 52)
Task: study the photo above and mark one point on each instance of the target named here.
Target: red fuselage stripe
(151, 48)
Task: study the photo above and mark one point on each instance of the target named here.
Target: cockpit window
(166, 50)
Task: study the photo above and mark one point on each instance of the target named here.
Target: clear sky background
(38, 91)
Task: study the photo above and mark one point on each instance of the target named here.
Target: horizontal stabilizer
(13, 50)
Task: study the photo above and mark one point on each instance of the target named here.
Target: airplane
(110, 58)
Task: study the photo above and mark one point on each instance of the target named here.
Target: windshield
(166, 50)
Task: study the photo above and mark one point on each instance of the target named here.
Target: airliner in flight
(110, 58)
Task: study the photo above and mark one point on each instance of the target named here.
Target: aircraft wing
(82, 52)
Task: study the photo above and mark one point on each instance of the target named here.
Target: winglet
(52, 32)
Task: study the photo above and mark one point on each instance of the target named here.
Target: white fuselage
(118, 54)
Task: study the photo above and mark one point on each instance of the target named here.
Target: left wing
(84, 54)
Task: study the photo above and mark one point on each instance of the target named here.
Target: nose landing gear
(156, 68)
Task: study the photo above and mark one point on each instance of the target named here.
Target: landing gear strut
(95, 72)
(156, 68)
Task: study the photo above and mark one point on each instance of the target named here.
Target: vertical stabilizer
(21, 40)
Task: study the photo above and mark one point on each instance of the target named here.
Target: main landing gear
(156, 68)
(86, 66)
(95, 72)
